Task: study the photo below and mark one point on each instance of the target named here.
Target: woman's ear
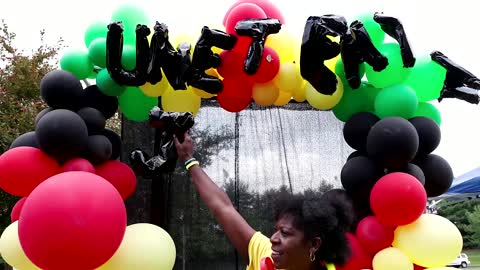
(316, 243)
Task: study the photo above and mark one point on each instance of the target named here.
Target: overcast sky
(448, 26)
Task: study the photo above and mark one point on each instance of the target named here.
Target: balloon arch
(73, 187)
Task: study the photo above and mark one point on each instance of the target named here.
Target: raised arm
(234, 225)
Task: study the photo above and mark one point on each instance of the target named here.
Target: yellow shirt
(260, 247)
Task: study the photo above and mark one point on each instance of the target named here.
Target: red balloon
(359, 258)
(241, 12)
(120, 175)
(373, 235)
(268, 7)
(17, 209)
(231, 64)
(398, 199)
(418, 267)
(236, 94)
(73, 220)
(269, 66)
(78, 164)
(23, 168)
(242, 45)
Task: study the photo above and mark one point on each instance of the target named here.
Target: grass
(473, 256)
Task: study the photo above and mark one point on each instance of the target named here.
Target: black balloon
(356, 129)
(393, 141)
(99, 149)
(359, 175)
(94, 119)
(41, 114)
(115, 140)
(413, 170)
(94, 98)
(355, 154)
(26, 139)
(61, 90)
(438, 174)
(429, 134)
(62, 134)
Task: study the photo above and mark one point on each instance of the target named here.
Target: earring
(312, 255)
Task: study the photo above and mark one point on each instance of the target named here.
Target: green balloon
(107, 85)
(354, 101)
(130, 15)
(429, 110)
(98, 52)
(340, 71)
(78, 63)
(394, 73)
(135, 105)
(129, 57)
(377, 35)
(396, 100)
(427, 78)
(94, 31)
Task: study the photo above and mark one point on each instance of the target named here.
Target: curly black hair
(329, 217)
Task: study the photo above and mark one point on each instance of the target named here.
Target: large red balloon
(120, 175)
(73, 220)
(373, 235)
(17, 209)
(241, 12)
(236, 94)
(359, 258)
(78, 164)
(398, 199)
(231, 64)
(23, 168)
(269, 66)
(268, 7)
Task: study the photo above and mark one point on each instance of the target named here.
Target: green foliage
(466, 216)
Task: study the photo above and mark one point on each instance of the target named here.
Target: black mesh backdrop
(254, 155)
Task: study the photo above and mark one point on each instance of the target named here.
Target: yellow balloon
(288, 78)
(178, 38)
(283, 43)
(430, 241)
(144, 246)
(181, 101)
(283, 98)
(391, 259)
(201, 93)
(299, 94)
(155, 90)
(323, 102)
(265, 94)
(12, 251)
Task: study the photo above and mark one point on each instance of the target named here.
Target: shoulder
(259, 247)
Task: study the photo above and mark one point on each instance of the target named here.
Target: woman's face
(290, 250)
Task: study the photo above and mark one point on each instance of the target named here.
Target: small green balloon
(129, 57)
(396, 100)
(130, 15)
(95, 30)
(374, 30)
(394, 73)
(78, 63)
(429, 110)
(107, 85)
(135, 105)
(355, 101)
(98, 52)
(340, 71)
(426, 79)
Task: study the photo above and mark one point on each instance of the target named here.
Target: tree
(474, 226)
(459, 212)
(20, 102)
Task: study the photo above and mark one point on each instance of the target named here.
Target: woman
(309, 232)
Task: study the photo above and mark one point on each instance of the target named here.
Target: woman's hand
(185, 148)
